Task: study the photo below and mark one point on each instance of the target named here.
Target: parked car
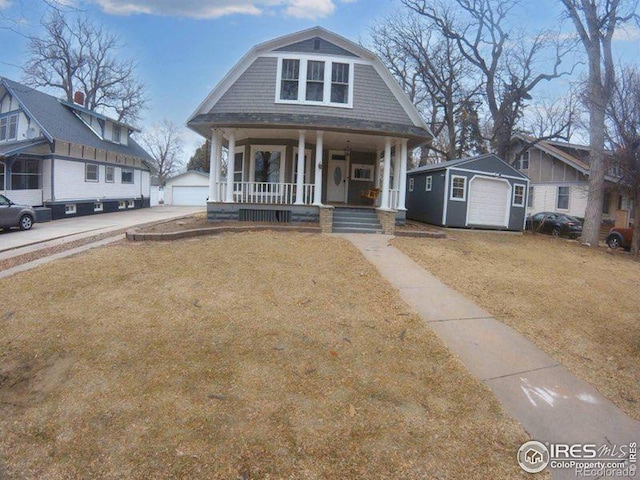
(12, 215)
(620, 237)
(556, 224)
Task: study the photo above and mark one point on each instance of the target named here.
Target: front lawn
(582, 306)
(242, 356)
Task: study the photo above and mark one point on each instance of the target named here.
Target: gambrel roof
(237, 100)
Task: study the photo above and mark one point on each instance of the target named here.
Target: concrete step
(357, 230)
(374, 226)
(355, 220)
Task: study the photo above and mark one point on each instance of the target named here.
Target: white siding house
(62, 156)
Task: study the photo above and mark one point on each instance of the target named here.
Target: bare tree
(75, 54)
(505, 60)
(163, 143)
(595, 22)
(436, 78)
(624, 136)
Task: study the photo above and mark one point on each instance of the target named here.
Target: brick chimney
(78, 97)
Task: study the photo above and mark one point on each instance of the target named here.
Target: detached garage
(189, 189)
(477, 192)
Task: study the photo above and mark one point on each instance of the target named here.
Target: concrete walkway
(552, 404)
(44, 235)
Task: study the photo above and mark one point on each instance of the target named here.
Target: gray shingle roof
(60, 123)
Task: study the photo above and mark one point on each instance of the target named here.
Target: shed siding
(255, 92)
(308, 46)
(426, 206)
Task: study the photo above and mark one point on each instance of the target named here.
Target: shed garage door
(190, 196)
(489, 201)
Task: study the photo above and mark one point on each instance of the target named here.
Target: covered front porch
(291, 174)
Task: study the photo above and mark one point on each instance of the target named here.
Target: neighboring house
(60, 155)
(187, 189)
(309, 120)
(477, 192)
(559, 181)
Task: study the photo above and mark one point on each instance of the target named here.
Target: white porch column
(377, 169)
(386, 171)
(218, 166)
(396, 167)
(317, 192)
(403, 175)
(213, 171)
(231, 165)
(300, 172)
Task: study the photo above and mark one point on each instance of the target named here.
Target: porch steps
(355, 220)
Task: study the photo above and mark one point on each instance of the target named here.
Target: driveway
(77, 227)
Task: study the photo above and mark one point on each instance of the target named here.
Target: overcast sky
(185, 47)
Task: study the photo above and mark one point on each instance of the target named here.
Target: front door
(337, 179)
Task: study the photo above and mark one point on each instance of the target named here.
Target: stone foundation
(326, 219)
(387, 220)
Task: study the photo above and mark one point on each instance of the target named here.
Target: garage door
(489, 200)
(190, 196)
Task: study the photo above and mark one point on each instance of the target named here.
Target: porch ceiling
(332, 140)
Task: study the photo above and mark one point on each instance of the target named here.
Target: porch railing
(267, 193)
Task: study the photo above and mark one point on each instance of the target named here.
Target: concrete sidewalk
(552, 404)
(44, 235)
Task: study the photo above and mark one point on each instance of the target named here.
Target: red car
(620, 237)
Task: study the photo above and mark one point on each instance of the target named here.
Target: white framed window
(122, 205)
(91, 172)
(307, 166)
(9, 127)
(127, 175)
(458, 188)
(518, 195)
(524, 161)
(428, 183)
(362, 172)
(412, 182)
(109, 174)
(267, 163)
(315, 80)
(98, 207)
(131, 204)
(70, 209)
(238, 170)
(562, 202)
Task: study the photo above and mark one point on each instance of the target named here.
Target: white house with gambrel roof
(65, 157)
(309, 120)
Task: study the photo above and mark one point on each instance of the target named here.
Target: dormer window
(315, 81)
(116, 133)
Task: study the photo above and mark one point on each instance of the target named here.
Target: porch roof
(8, 150)
(203, 123)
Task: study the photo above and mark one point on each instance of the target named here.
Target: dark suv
(620, 237)
(12, 215)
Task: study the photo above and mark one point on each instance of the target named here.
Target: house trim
(524, 195)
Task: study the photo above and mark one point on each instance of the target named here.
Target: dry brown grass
(240, 356)
(580, 305)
